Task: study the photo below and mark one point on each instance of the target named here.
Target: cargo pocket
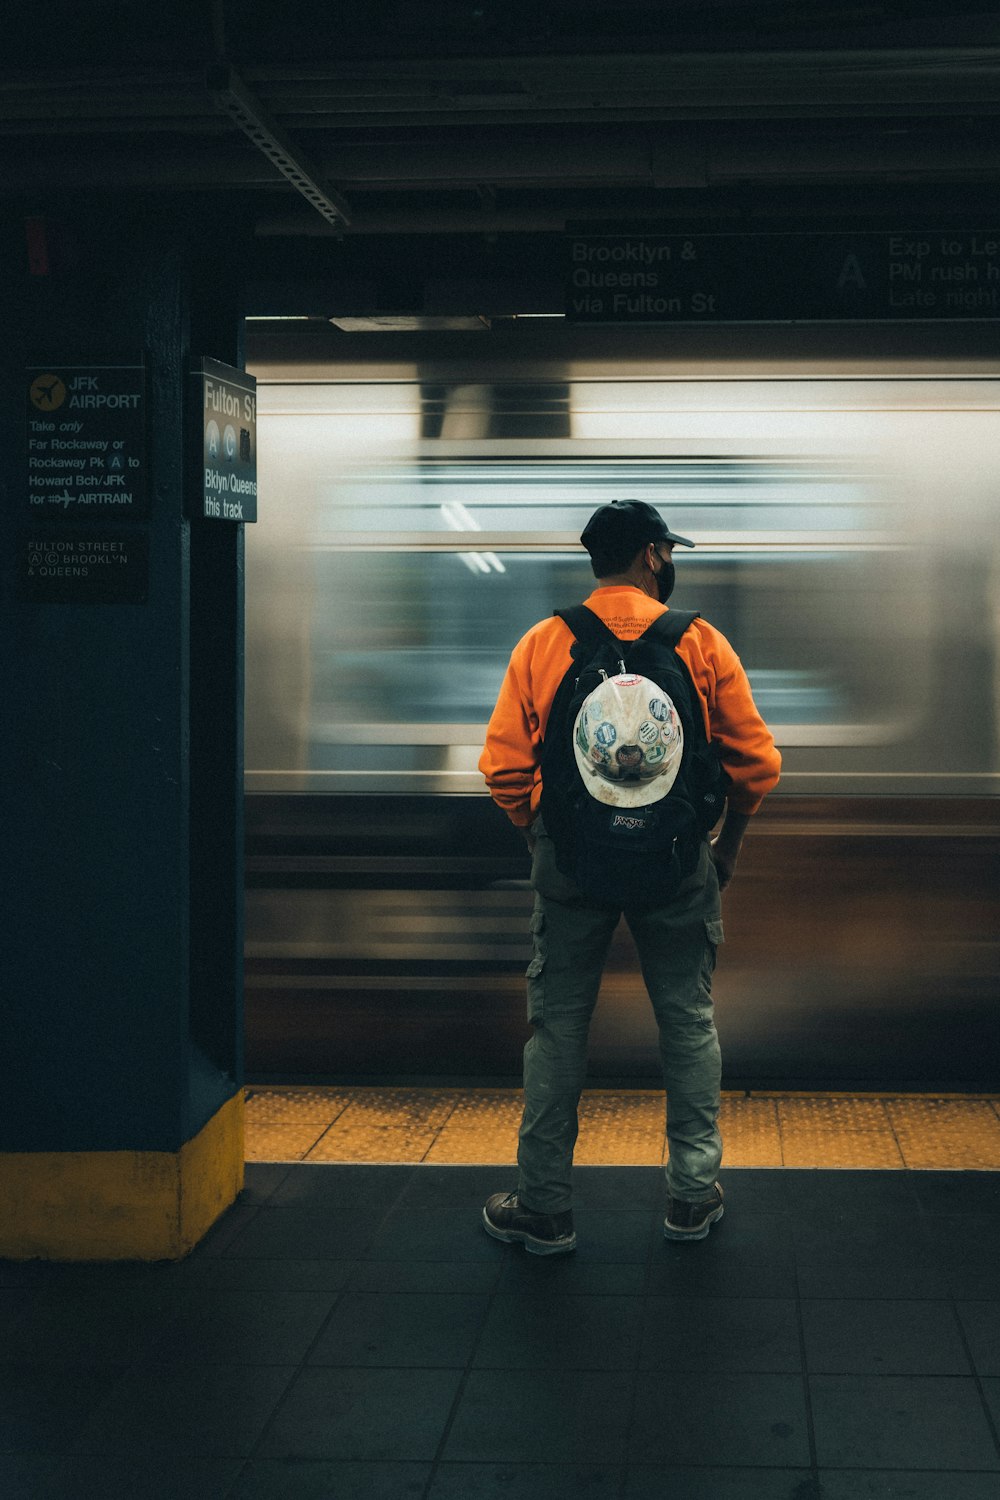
(535, 972)
(715, 935)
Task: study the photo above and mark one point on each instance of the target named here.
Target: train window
(708, 498)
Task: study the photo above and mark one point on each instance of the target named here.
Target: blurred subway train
(420, 511)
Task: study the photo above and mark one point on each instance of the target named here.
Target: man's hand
(725, 847)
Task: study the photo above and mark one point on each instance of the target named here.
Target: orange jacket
(511, 759)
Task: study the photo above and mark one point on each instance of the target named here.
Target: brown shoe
(505, 1218)
(692, 1221)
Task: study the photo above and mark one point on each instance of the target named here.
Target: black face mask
(665, 580)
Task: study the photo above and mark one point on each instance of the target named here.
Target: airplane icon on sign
(48, 392)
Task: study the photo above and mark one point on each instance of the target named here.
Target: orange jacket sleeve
(511, 758)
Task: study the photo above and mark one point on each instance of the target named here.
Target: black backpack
(634, 856)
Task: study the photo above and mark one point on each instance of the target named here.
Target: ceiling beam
(232, 95)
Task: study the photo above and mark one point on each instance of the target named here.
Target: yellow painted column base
(121, 1205)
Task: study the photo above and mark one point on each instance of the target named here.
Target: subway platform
(348, 1332)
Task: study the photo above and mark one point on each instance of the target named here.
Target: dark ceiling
(424, 118)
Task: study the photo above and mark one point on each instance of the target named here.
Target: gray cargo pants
(676, 945)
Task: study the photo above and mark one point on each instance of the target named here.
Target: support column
(121, 1132)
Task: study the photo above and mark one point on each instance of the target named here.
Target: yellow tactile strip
(623, 1127)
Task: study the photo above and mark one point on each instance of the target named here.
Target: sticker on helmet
(582, 737)
(598, 756)
(659, 709)
(629, 756)
(655, 754)
(668, 734)
(647, 732)
(605, 734)
(627, 681)
(595, 709)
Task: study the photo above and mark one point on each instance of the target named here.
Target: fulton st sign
(226, 430)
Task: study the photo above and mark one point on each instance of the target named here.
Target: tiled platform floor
(623, 1128)
(351, 1333)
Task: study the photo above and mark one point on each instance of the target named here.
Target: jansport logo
(629, 824)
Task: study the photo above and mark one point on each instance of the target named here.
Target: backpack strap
(666, 630)
(669, 627)
(589, 630)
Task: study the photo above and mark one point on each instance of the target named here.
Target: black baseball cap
(627, 521)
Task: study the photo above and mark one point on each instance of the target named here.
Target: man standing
(631, 550)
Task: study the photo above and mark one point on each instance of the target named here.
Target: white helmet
(628, 742)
